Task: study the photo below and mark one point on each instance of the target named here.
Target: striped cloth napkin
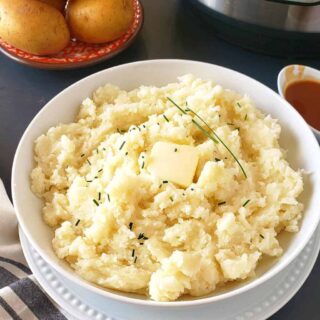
(21, 297)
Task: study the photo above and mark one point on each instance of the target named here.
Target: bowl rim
(281, 91)
(150, 303)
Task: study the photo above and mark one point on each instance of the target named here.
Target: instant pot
(280, 27)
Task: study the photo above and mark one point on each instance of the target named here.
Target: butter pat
(174, 162)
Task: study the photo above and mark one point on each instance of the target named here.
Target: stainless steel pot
(301, 16)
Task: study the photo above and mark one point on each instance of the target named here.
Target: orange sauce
(304, 95)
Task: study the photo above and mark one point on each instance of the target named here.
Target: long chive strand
(208, 134)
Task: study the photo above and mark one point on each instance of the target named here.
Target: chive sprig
(210, 134)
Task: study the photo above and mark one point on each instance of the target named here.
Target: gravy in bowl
(304, 95)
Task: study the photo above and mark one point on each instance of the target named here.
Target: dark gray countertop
(171, 30)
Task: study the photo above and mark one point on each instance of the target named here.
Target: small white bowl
(297, 72)
(297, 138)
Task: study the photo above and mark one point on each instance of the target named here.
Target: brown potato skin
(33, 26)
(99, 21)
(58, 4)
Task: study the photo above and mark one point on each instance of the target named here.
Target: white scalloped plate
(258, 303)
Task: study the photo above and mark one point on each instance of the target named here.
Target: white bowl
(296, 137)
(297, 72)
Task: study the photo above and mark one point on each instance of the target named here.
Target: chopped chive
(141, 243)
(130, 225)
(123, 143)
(171, 199)
(140, 236)
(145, 238)
(100, 170)
(78, 221)
(99, 196)
(175, 149)
(133, 252)
(183, 194)
(192, 189)
(139, 128)
(144, 126)
(217, 159)
(261, 236)
(246, 203)
(135, 259)
(239, 105)
(104, 149)
(97, 151)
(88, 180)
(96, 177)
(221, 203)
(126, 153)
(142, 165)
(89, 162)
(165, 181)
(108, 197)
(160, 185)
(246, 117)
(209, 135)
(165, 118)
(95, 202)
(82, 155)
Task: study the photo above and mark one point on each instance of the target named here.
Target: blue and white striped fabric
(21, 298)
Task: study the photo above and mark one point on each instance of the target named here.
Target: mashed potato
(120, 226)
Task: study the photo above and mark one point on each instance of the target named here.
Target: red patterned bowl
(79, 54)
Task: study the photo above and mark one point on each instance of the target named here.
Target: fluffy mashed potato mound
(122, 227)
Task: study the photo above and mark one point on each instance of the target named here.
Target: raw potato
(33, 26)
(98, 21)
(59, 4)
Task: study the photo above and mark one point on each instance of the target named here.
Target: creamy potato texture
(121, 226)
